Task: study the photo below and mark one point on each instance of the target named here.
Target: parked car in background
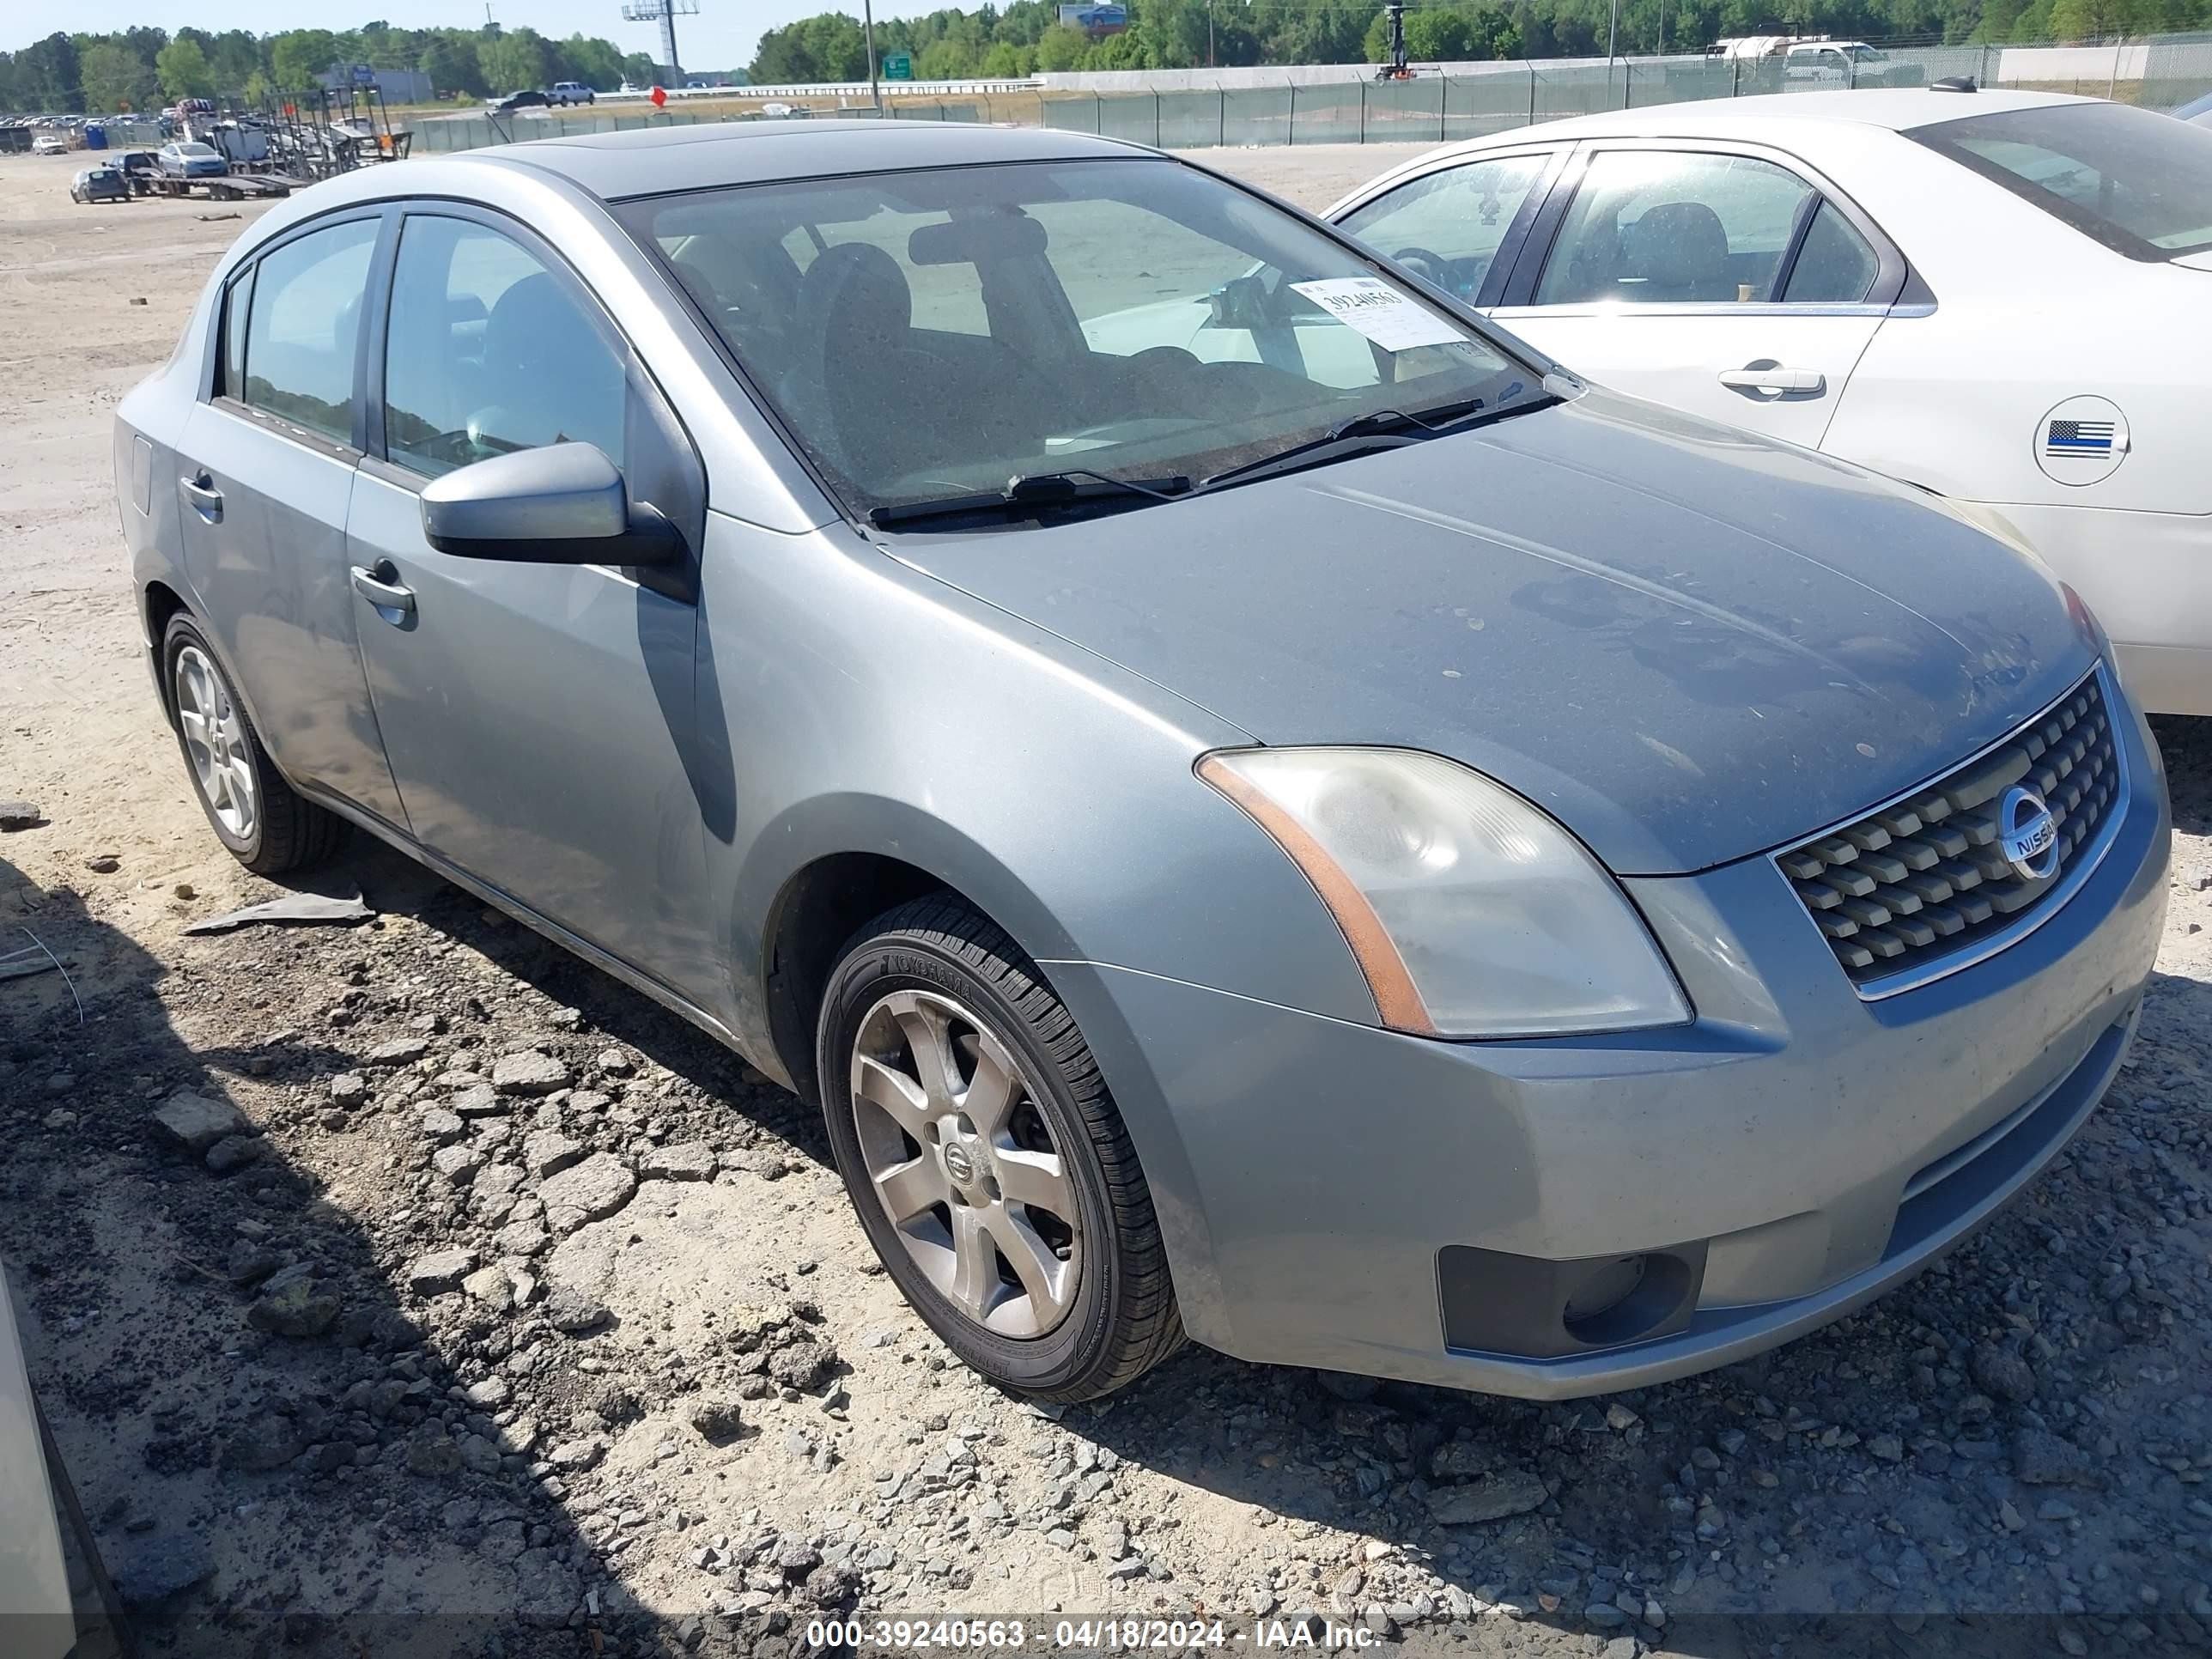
(1658, 887)
(139, 168)
(188, 158)
(49, 143)
(104, 184)
(572, 92)
(1832, 63)
(1870, 274)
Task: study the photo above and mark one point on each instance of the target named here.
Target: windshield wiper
(1030, 494)
(1389, 424)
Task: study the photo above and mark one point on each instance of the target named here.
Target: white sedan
(2000, 297)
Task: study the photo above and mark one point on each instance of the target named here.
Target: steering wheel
(1426, 263)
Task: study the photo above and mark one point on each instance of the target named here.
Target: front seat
(1680, 250)
(856, 319)
(548, 377)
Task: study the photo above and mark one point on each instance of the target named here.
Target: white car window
(2139, 182)
(1836, 266)
(1673, 228)
(1447, 226)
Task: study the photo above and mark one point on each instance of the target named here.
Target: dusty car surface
(1358, 848)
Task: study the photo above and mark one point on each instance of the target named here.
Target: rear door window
(303, 338)
(1674, 227)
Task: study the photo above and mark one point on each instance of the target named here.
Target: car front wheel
(255, 813)
(991, 1170)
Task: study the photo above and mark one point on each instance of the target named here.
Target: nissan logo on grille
(2028, 834)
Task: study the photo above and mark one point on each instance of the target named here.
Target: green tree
(114, 77)
(49, 74)
(513, 63)
(2086, 20)
(595, 63)
(298, 56)
(185, 70)
(1438, 37)
(1063, 47)
(638, 68)
(233, 56)
(946, 60)
(449, 58)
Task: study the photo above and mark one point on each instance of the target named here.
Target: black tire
(287, 832)
(1123, 1320)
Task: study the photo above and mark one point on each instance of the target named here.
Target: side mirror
(563, 504)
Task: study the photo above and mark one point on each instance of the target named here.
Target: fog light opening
(1605, 1290)
(1626, 1298)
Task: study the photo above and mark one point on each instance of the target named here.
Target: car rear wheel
(991, 1170)
(265, 822)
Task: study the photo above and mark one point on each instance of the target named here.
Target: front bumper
(1324, 1185)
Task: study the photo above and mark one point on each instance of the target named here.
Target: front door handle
(380, 585)
(199, 492)
(1772, 377)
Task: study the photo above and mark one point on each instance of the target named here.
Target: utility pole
(1209, 33)
(868, 18)
(1612, 39)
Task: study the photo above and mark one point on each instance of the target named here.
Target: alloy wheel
(215, 738)
(962, 1162)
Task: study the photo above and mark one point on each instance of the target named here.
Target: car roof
(1898, 109)
(654, 160)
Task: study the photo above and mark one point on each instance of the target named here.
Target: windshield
(195, 151)
(2137, 182)
(940, 333)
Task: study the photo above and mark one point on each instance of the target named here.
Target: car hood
(1686, 643)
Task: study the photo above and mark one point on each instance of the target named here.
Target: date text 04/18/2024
(889, 1636)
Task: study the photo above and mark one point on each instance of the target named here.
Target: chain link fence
(1468, 101)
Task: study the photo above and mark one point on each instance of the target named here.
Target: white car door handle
(1755, 379)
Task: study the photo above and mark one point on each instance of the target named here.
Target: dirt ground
(377, 1387)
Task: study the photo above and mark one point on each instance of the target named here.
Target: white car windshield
(195, 151)
(2137, 182)
(940, 333)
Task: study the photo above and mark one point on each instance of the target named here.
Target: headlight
(1471, 913)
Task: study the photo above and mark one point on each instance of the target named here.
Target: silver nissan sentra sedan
(1258, 806)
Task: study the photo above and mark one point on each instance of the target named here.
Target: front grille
(1922, 885)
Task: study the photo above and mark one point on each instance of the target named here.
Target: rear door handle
(1757, 377)
(199, 491)
(380, 585)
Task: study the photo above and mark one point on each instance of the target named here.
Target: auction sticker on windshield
(1380, 312)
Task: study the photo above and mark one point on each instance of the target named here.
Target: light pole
(1612, 39)
(875, 89)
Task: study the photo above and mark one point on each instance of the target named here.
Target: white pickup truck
(571, 92)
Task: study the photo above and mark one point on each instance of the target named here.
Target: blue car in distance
(187, 158)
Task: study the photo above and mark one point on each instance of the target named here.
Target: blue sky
(721, 37)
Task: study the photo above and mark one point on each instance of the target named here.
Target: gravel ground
(411, 1288)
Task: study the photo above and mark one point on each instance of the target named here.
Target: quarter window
(1448, 226)
(305, 332)
(1673, 228)
(488, 351)
(1834, 266)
